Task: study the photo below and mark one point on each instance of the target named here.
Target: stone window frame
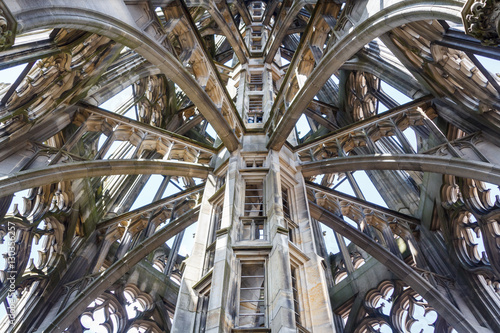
(203, 289)
(254, 257)
(255, 113)
(218, 203)
(293, 228)
(216, 218)
(258, 177)
(298, 261)
(254, 84)
(254, 162)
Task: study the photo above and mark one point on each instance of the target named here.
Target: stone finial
(481, 19)
(7, 27)
(4, 32)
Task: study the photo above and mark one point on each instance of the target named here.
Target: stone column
(185, 312)
(281, 311)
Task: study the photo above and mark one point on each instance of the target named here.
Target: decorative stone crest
(481, 20)
(7, 28)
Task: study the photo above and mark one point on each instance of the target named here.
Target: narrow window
(216, 222)
(221, 181)
(254, 163)
(286, 203)
(257, 44)
(210, 252)
(203, 311)
(255, 113)
(252, 307)
(256, 39)
(295, 291)
(254, 199)
(253, 220)
(253, 229)
(256, 82)
(291, 226)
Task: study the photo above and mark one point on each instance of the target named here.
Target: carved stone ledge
(8, 26)
(481, 20)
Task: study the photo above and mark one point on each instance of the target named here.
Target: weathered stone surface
(275, 126)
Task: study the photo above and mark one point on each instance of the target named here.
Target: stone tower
(249, 166)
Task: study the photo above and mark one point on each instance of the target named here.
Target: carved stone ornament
(8, 27)
(481, 20)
